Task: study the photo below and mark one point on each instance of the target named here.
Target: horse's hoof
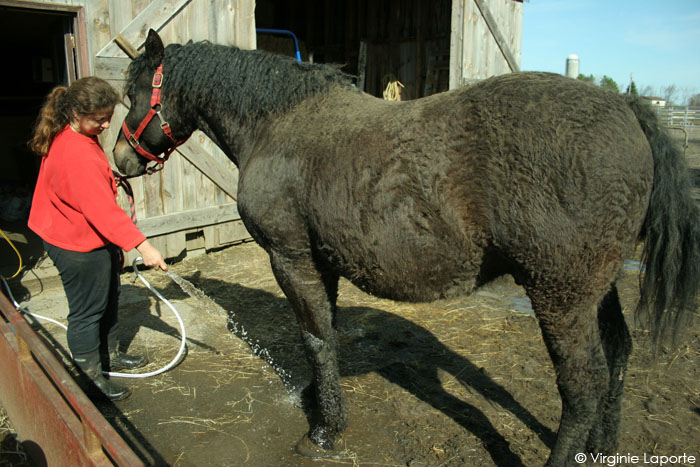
(307, 448)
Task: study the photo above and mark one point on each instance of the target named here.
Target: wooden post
(362, 65)
(126, 46)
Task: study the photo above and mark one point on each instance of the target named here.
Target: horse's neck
(234, 122)
(233, 138)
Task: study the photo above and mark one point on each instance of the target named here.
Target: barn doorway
(39, 50)
(374, 40)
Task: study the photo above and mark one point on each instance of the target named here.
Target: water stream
(208, 304)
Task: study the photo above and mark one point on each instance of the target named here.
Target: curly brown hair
(84, 97)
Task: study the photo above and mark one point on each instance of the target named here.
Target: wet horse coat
(529, 174)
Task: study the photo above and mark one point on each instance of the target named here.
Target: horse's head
(151, 129)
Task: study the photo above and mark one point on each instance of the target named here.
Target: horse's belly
(415, 288)
(414, 268)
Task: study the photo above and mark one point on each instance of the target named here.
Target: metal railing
(679, 116)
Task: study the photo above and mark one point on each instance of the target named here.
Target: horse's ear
(154, 48)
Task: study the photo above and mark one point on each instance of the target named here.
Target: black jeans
(92, 285)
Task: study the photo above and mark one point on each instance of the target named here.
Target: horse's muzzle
(127, 161)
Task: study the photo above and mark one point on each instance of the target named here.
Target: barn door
(486, 39)
(189, 205)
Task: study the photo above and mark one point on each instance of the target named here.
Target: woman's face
(92, 124)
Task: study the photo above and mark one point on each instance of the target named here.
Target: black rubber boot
(118, 360)
(92, 367)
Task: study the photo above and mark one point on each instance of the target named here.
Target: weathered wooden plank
(111, 68)
(194, 151)
(120, 14)
(97, 19)
(154, 16)
(171, 196)
(190, 180)
(234, 231)
(185, 220)
(476, 51)
(200, 30)
(55, 5)
(497, 35)
(456, 43)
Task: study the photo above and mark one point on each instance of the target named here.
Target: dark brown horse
(543, 177)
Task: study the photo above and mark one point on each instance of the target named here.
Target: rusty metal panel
(52, 416)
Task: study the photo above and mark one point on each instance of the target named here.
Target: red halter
(133, 139)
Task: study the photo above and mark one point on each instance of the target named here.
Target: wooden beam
(185, 220)
(126, 46)
(194, 151)
(156, 15)
(496, 33)
(41, 5)
(456, 43)
(111, 68)
(362, 66)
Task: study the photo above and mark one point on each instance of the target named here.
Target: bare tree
(648, 90)
(694, 100)
(669, 93)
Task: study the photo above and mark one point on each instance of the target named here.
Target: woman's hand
(151, 256)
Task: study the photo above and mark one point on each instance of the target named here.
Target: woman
(75, 212)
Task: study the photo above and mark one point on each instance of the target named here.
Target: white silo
(572, 66)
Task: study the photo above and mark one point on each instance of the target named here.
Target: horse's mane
(248, 83)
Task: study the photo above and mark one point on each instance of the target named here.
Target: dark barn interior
(409, 40)
(33, 46)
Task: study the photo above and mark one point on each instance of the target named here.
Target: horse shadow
(373, 340)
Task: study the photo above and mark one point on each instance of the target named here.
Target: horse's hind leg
(570, 331)
(308, 291)
(617, 345)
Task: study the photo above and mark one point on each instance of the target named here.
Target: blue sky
(656, 42)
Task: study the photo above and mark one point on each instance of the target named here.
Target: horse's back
(568, 173)
(407, 199)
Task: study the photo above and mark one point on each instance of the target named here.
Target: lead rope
(124, 183)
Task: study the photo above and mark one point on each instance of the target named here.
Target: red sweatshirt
(75, 199)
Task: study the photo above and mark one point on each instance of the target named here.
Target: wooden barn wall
(190, 204)
(477, 28)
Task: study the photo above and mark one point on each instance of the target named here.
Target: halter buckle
(157, 79)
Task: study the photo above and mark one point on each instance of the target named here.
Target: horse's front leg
(308, 290)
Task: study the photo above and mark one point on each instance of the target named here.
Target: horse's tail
(671, 233)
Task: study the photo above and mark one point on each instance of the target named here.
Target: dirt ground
(456, 383)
